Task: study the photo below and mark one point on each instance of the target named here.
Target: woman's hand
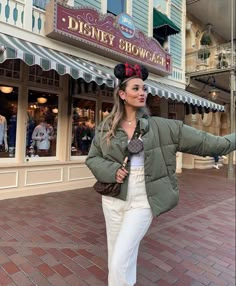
(121, 175)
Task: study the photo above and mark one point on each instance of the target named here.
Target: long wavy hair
(112, 121)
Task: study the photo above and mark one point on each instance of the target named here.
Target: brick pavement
(59, 238)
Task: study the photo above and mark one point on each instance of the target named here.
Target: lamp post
(231, 173)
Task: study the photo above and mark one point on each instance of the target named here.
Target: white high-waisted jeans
(126, 224)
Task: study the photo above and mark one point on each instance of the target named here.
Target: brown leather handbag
(109, 189)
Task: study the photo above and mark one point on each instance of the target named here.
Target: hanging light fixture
(6, 89)
(214, 92)
(42, 100)
(55, 110)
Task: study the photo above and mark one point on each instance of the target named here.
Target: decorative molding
(16, 179)
(79, 178)
(43, 182)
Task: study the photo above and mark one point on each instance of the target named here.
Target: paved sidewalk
(59, 239)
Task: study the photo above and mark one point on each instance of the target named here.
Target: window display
(42, 124)
(83, 125)
(154, 105)
(8, 120)
(106, 109)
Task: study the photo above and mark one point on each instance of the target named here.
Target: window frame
(124, 4)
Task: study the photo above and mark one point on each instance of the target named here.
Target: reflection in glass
(106, 109)
(116, 7)
(8, 123)
(41, 124)
(83, 125)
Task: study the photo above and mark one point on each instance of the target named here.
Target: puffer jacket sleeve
(197, 142)
(104, 170)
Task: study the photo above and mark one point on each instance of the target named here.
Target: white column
(22, 115)
(129, 5)
(28, 15)
(71, 3)
(103, 6)
(231, 174)
(150, 18)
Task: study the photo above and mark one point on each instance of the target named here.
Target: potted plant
(204, 54)
(205, 39)
(222, 61)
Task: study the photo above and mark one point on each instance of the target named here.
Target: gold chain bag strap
(136, 144)
(109, 189)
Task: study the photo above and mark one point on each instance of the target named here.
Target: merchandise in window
(154, 105)
(8, 120)
(83, 125)
(106, 109)
(116, 7)
(42, 116)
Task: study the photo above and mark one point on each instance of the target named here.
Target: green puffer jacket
(162, 138)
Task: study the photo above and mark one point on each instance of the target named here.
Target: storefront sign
(114, 37)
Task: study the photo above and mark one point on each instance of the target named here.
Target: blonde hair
(112, 121)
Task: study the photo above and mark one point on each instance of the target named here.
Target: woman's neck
(130, 114)
(130, 117)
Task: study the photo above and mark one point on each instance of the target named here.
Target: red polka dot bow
(132, 70)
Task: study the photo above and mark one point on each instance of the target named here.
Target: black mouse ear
(124, 71)
(144, 73)
(119, 71)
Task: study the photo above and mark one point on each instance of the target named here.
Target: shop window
(83, 125)
(154, 105)
(116, 7)
(8, 121)
(106, 109)
(41, 133)
(38, 75)
(40, 3)
(10, 69)
(172, 114)
(81, 87)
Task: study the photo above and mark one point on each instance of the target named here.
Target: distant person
(42, 135)
(83, 138)
(216, 162)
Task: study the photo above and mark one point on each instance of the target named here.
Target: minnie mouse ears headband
(124, 71)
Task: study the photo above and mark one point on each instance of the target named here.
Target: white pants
(126, 224)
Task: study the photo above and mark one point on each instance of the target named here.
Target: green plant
(205, 39)
(222, 61)
(204, 54)
(221, 56)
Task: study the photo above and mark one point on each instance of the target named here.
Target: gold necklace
(130, 121)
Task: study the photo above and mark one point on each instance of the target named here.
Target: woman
(148, 184)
